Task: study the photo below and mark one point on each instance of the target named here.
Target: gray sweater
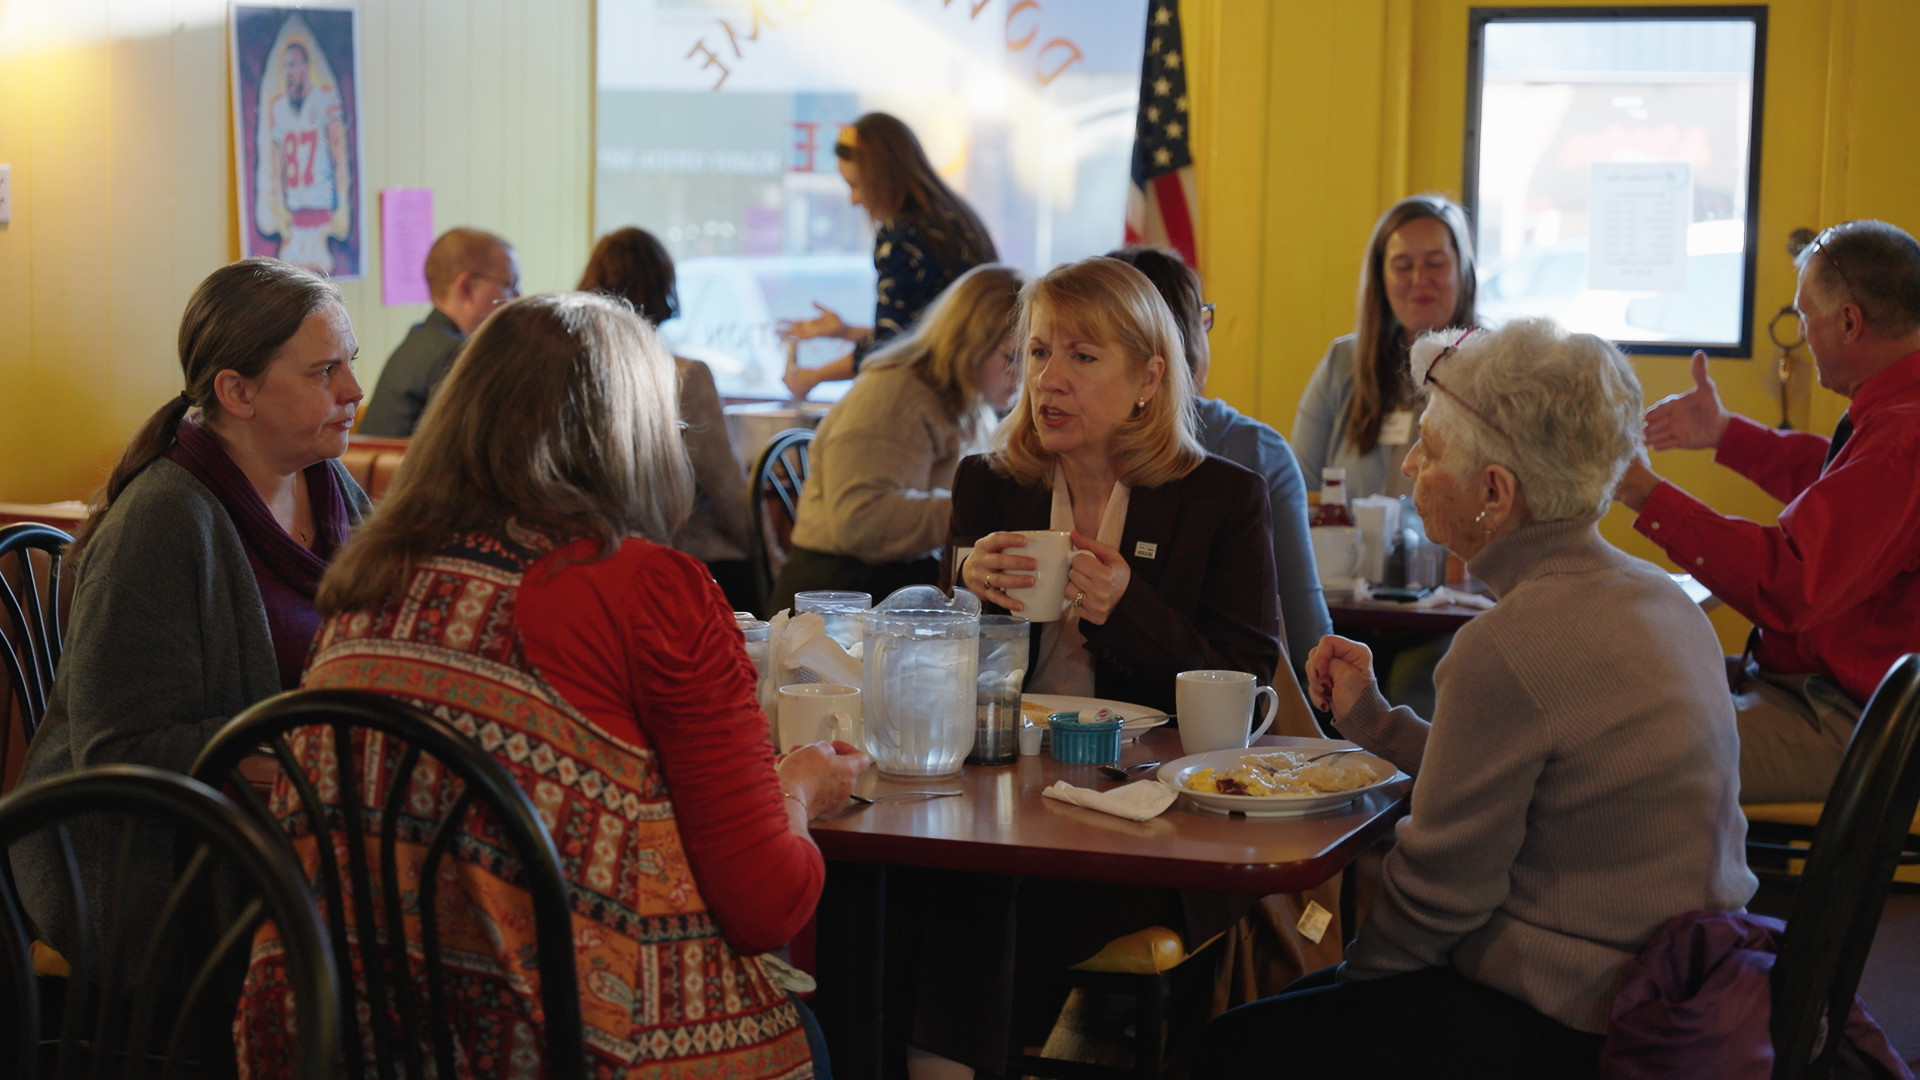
(1578, 786)
(167, 642)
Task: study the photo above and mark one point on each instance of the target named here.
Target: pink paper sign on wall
(406, 232)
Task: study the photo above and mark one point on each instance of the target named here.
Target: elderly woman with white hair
(1578, 784)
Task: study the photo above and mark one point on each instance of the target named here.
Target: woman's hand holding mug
(994, 567)
(1095, 585)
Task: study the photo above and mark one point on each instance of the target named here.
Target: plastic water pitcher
(922, 654)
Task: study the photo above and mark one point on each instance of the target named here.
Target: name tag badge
(1144, 550)
(1397, 429)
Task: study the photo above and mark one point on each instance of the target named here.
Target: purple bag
(1697, 1001)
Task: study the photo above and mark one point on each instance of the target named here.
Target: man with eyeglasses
(469, 273)
(1833, 590)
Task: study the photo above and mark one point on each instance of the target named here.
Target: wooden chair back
(1849, 872)
(32, 610)
(400, 1015)
(779, 474)
(147, 992)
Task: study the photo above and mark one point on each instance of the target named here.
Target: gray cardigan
(167, 642)
(1320, 429)
(1578, 787)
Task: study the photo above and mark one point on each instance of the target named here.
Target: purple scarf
(287, 573)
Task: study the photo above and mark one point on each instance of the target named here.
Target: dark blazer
(1206, 596)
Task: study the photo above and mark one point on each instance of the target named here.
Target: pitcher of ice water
(921, 656)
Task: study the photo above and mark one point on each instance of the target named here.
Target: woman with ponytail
(196, 571)
(926, 237)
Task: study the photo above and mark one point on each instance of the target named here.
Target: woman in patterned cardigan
(518, 578)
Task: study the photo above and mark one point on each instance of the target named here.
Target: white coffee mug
(1046, 599)
(1216, 709)
(814, 712)
(1338, 552)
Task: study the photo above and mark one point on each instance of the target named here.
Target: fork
(1314, 758)
(869, 800)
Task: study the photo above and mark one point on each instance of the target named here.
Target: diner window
(1611, 164)
(716, 122)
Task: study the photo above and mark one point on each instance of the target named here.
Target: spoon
(869, 800)
(1114, 773)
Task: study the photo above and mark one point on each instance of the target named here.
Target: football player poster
(296, 136)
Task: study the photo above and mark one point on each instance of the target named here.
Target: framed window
(1612, 165)
(715, 130)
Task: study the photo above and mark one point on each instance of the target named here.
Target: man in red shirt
(1833, 590)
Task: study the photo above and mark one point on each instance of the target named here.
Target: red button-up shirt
(1834, 587)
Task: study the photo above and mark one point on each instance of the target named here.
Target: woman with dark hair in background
(633, 265)
(927, 237)
(874, 513)
(1359, 412)
(195, 572)
(1248, 443)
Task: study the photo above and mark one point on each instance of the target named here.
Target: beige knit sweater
(1578, 786)
(883, 463)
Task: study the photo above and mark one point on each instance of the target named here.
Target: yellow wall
(1312, 117)
(114, 116)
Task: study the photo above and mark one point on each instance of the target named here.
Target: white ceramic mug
(1046, 599)
(1338, 552)
(1216, 709)
(813, 712)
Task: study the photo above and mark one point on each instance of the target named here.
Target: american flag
(1160, 205)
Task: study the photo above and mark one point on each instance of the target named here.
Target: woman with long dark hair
(927, 237)
(633, 265)
(1359, 411)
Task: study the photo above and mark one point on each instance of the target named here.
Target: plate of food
(1277, 781)
(1035, 708)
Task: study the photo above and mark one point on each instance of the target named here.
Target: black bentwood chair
(773, 502)
(390, 981)
(148, 990)
(1848, 874)
(30, 637)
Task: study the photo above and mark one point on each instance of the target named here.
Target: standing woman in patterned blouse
(927, 237)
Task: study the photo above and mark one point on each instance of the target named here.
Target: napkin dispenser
(1378, 518)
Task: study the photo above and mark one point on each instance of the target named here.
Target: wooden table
(1002, 825)
(1351, 616)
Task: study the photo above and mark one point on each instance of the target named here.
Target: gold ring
(1080, 599)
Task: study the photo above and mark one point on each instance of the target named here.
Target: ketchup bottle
(1333, 499)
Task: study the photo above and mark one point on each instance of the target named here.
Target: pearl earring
(1481, 520)
(1139, 403)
